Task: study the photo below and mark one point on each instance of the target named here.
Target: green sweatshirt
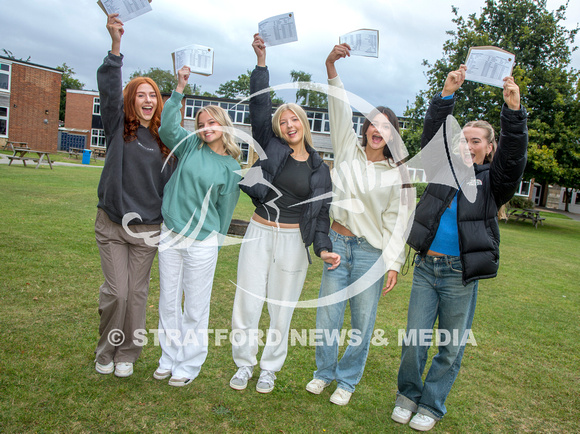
(200, 197)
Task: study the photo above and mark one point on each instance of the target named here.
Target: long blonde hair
(222, 118)
(300, 113)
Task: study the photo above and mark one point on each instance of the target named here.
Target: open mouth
(376, 139)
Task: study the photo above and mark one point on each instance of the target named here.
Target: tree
(549, 87)
(307, 97)
(240, 87)
(166, 81)
(67, 82)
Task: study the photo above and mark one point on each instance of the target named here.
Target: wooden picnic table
(10, 144)
(75, 151)
(526, 214)
(21, 154)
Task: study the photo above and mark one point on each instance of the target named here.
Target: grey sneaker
(240, 380)
(161, 374)
(266, 381)
(105, 369)
(340, 396)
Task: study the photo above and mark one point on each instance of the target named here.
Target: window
(523, 189)
(192, 106)
(96, 106)
(98, 137)
(328, 156)
(4, 76)
(357, 122)
(245, 148)
(3, 121)
(577, 202)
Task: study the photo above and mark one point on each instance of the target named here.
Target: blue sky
(57, 31)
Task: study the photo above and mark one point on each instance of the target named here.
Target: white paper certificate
(127, 9)
(197, 57)
(363, 42)
(489, 65)
(277, 30)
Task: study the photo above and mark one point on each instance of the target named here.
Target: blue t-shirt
(446, 240)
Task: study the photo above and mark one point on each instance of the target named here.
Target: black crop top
(293, 185)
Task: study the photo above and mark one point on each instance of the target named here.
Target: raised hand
(182, 77)
(338, 52)
(116, 30)
(511, 93)
(259, 47)
(454, 81)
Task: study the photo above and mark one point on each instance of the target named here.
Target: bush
(520, 202)
(420, 186)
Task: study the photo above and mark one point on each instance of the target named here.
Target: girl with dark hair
(292, 200)
(132, 182)
(457, 243)
(198, 205)
(365, 209)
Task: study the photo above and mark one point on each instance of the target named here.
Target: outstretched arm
(116, 30)
(338, 52)
(511, 93)
(182, 77)
(259, 47)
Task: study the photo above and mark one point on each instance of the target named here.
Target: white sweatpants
(272, 264)
(186, 271)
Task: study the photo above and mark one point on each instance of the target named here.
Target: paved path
(4, 160)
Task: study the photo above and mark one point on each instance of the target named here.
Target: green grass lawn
(523, 375)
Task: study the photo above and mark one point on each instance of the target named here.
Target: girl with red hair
(129, 210)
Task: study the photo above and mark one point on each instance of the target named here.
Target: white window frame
(524, 189)
(96, 105)
(245, 148)
(98, 137)
(8, 74)
(6, 118)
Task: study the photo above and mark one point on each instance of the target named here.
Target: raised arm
(170, 131)
(342, 133)
(260, 105)
(109, 80)
(509, 161)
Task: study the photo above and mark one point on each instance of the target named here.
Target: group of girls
(157, 172)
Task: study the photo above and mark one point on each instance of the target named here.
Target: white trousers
(272, 264)
(186, 271)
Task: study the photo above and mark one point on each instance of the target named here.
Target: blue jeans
(437, 291)
(363, 291)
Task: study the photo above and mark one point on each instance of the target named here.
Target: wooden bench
(21, 154)
(75, 151)
(526, 214)
(99, 151)
(10, 145)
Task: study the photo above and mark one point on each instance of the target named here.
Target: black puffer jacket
(314, 220)
(496, 183)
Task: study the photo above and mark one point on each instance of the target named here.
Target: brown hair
(392, 119)
(132, 121)
(489, 136)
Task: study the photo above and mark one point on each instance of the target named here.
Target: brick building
(29, 103)
(83, 113)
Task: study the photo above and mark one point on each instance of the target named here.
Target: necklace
(303, 156)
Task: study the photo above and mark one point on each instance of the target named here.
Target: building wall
(34, 105)
(79, 110)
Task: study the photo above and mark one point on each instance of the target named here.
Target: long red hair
(132, 121)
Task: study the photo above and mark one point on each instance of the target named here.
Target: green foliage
(236, 88)
(520, 202)
(165, 80)
(420, 186)
(9, 54)
(549, 88)
(307, 97)
(67, 82)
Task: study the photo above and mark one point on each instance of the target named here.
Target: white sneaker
(240, 379)
(340, 396)
(266, 381)
(401, 415)
(422, 422)
(105, 369)
(316, 386)
(162, 374)
(123, 369)
(179, 382)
